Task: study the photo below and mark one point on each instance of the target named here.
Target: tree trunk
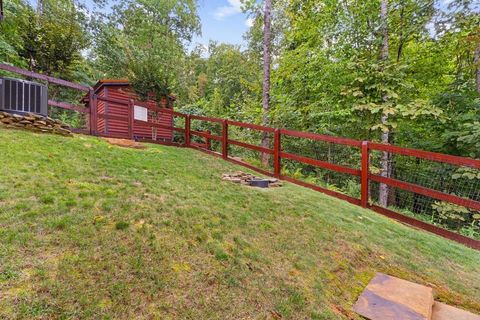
(384, 22)
(385, 137)
(40, 7)
(476, 61)
(266, 76)
(401, 40)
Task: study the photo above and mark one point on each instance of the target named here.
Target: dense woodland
(405, 72)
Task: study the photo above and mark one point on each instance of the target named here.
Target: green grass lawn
(94, 231)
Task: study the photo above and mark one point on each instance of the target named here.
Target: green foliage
(144, 41)
(50, 42)
(16, 13)
(468, 173)
(456, 217)
(380, 89)
(227, 83)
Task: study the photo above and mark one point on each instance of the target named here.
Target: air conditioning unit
(21, 96)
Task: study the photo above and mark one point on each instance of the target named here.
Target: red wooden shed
(116, 103)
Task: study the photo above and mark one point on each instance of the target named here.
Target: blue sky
(222, 21)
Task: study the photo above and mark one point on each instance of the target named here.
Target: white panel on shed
(140, 113)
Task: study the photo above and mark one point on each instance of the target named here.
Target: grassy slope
(90, 230)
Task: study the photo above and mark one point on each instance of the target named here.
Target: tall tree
(385, 135)
(40, 7)
(51, 42)
(145, 41)
(1, 10)
(266, 74)
(476, 61)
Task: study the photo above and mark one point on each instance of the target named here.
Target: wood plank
(39, 76)
(225, 139)
(469, 242)
(113, 100)
(250, 146)
(472, 204)
(208, 119)
(68, 106)
(277, 148)
(205, 135)
(113, 117)
(321, 137)
(321, 164)
(433, 156)
(364, 176)
(250, 126)
(157, 125)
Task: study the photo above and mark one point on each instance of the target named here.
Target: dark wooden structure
(111, 107)
(119, 113)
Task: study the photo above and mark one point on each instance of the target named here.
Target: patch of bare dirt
(126, 143)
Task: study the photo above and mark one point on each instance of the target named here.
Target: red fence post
(93, 113)
(130, 118)
(276, 155)
(364, 177)
(225, 139)
(208, 141)
(90, 114)
(187, 130)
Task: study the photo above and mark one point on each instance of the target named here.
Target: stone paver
(442, 311)
(390, 298)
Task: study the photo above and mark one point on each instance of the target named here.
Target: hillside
(89, 230)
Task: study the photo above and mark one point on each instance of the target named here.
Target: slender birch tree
(385, 136)
(476, 61)
(266, 74)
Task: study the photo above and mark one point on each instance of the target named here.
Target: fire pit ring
(260, 183)
(248, 179)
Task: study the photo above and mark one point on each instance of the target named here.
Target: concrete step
(442, 311)
(390, 298)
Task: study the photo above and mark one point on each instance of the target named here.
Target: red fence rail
(60, 82)
(364, 174)
(278, 155)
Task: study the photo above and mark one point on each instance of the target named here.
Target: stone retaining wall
(34, 122)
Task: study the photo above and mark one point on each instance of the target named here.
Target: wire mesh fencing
(437, 192)
(446, 196)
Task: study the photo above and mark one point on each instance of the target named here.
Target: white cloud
(234, 7)
(249, 22)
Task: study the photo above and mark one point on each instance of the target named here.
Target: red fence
(363, 171)
(358, 166)
(59, 82)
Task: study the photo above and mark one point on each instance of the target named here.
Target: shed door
(113, 117)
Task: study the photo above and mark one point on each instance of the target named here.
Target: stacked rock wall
(34, 122)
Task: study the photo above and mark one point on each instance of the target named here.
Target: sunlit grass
(90, 230)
